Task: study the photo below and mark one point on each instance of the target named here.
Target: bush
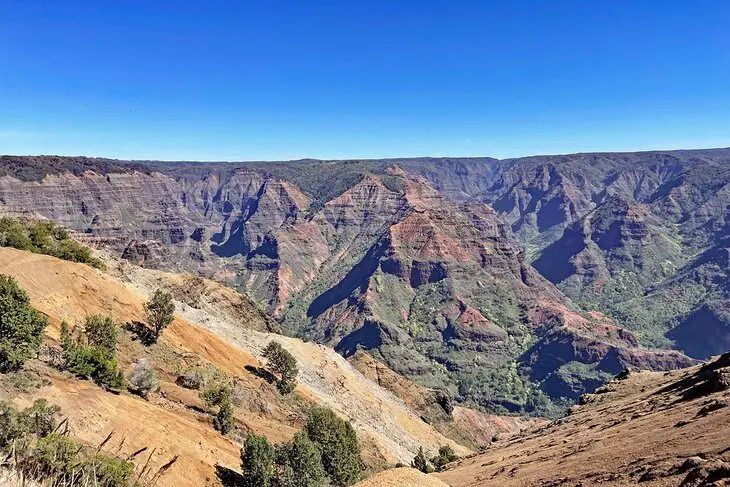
(220, 395)
(198, 377)
(446, 455)
(337, 441)
(257, 461)
(421, 463)
(101, 331)
(192, 378)
(143, 378)
(62, 458)
(160, 310)
(282, 364)
(39, 419)
(44, 237)
(40, 453)
(87, 353)
(21, 327)
(299, 463)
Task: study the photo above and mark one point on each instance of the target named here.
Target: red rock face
(439, 290)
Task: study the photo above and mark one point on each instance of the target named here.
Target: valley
(469, 303)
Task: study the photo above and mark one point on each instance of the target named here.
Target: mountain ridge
(291, 233)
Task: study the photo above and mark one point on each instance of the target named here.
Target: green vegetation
(257, 461)
(299, 463)
(21, 327)
(90, 352)
(143, 378)
(35, 168)
(38, 419)
(220, 395)
(326, 452)
(337, 441)
(446, 455)
(282, 364)
(197, 377)
(31, 444)
(44, 237)
(421, 463)
(160, 310)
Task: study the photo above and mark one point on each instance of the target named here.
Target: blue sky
(342, 79)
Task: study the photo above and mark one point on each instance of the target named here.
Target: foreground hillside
(174, 423)
(646, 428)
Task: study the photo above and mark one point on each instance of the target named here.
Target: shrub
(220, 395)
(446, 455)
(337, 441)
(21, 327)
(40, 453)
(60, 457)
(44, 237)
(257, 461)
(11, 426)
(224, 420)
(40, 418)
(101, 331)
(88, 356)
(284, 365)
(160, 310)
(143, 378)
(299, 463)
(421, 463)
(198, 377)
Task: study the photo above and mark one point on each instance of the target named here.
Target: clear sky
(269, 79)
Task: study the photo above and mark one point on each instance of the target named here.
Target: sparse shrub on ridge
(299, 463)
(421, 463)
(220, 395)
(160, 310)
(325, 452)
(143, 378)
(445, 456)
(21, 326)
(87, 352)
(283, 365)
(198, 377)
(337, 441)
(45, 237)
(257, 461)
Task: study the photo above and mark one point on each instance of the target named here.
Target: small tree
(284, 365)
(220, 395)
(421, 463)
(87, 352)
(299, 463)
(21, 327)
(337, 441)
(143, 378)
(257, 461)
(160, 310)
(101, 331)
(446, 455)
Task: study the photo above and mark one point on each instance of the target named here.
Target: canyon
(510, 285)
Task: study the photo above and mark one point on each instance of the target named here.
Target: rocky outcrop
(371, 255)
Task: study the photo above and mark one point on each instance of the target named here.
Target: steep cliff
(371, 255)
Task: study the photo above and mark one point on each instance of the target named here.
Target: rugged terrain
(173, 422)
(431, 265)
(644, 428)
